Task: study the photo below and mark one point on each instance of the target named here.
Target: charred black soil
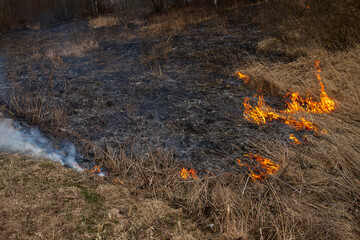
(124, 85)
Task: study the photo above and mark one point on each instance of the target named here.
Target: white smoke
(15, 138)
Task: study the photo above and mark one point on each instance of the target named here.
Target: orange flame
(185, 174)
(118, 181)
(262, 113)
(96, 169)
(244, 77)
(209, 173)
(294, 139)
(298, 104)
(326, 104)
(260, 167)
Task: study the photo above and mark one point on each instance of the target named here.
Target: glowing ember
(185, 174)
(118, 181)
(210, 173)
(260, 167)
(294, 139)
(243, 77)
(262, 113)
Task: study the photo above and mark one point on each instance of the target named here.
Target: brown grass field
(314, 195)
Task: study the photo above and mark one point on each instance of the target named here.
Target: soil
(177, 90)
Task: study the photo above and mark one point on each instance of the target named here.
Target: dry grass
(331, 24)
(72, 49)
(34, 26)
(324, 177)
(340, 74)
(39, 107)
(42, 200)
(314, 196)
(175, 20)
(104, 21)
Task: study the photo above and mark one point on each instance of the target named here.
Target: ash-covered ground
(176, 91)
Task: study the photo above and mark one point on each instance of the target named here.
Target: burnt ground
(176, 91)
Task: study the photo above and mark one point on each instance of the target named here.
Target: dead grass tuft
(104, 21)
(72, 49)
(34, 26)
(177, 19)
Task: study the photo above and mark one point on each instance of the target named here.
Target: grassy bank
(42, 200)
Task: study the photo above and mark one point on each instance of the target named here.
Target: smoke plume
(15, 138)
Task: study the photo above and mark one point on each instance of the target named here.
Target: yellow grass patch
(104, 21)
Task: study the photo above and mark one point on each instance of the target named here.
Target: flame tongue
(298, 104)
(259, 114)
(97, 171)
(326, 104)
(260, 167)
(243, 77)
(262, 113)
(191, 173)
(294, 139)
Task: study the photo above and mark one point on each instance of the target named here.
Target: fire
(298, 104)
(96, 169)
(262, 113)
(260, 167)
(191, 173)
(209, 173)
(259, 114)
(244, 77)
(294, 139)
(326, 104)
(118, 181)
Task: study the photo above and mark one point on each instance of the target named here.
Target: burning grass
(260, 168)
(330, 159)
(262, 113)
(188, 173)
